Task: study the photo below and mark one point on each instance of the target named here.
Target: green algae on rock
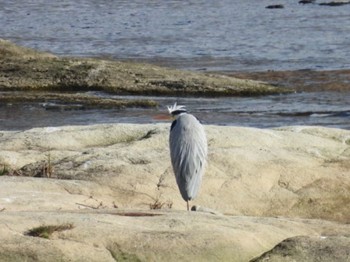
(23, 68)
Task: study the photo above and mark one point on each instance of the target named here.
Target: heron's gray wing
(188, 151)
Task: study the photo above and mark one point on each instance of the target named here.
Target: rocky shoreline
(302, 80)
(284, 191)
(27, 75)
(27, 69)
(107, 193)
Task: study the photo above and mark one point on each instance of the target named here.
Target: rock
(275, 6)
(335, 3)
(305, 248)
(307, 1)
(72, 101)
(205, 210)
(256, 172)
(112, 235)
(114, 184)
(302, 80)
(26, 69)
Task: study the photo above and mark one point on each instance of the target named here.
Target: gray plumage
(188, 152)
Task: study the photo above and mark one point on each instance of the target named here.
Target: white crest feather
(175, 107)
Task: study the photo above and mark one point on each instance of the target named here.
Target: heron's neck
(178, 115)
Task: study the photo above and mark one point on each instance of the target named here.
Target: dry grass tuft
(157, 204)
(46, 231)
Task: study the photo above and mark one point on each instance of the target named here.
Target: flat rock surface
(114, 184)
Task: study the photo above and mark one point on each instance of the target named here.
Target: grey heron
(188, 151)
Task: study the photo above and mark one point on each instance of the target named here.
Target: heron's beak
(164, 117)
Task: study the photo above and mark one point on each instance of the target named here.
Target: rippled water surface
(223, 35)
(326, 109)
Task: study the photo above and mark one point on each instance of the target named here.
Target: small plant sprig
(47, 168)
(4, 171)
(157, 204)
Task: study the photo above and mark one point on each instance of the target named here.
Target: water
(198, 35)
(214, 35)
(325, 109)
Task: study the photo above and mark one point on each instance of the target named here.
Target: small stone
(278, 6)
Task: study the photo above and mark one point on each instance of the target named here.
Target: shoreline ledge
(26, 69)
(107, 193)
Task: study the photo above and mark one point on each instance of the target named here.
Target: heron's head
(176, 110)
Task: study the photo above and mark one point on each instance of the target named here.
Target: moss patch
(119, 255)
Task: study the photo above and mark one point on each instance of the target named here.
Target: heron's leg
(188, 205)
